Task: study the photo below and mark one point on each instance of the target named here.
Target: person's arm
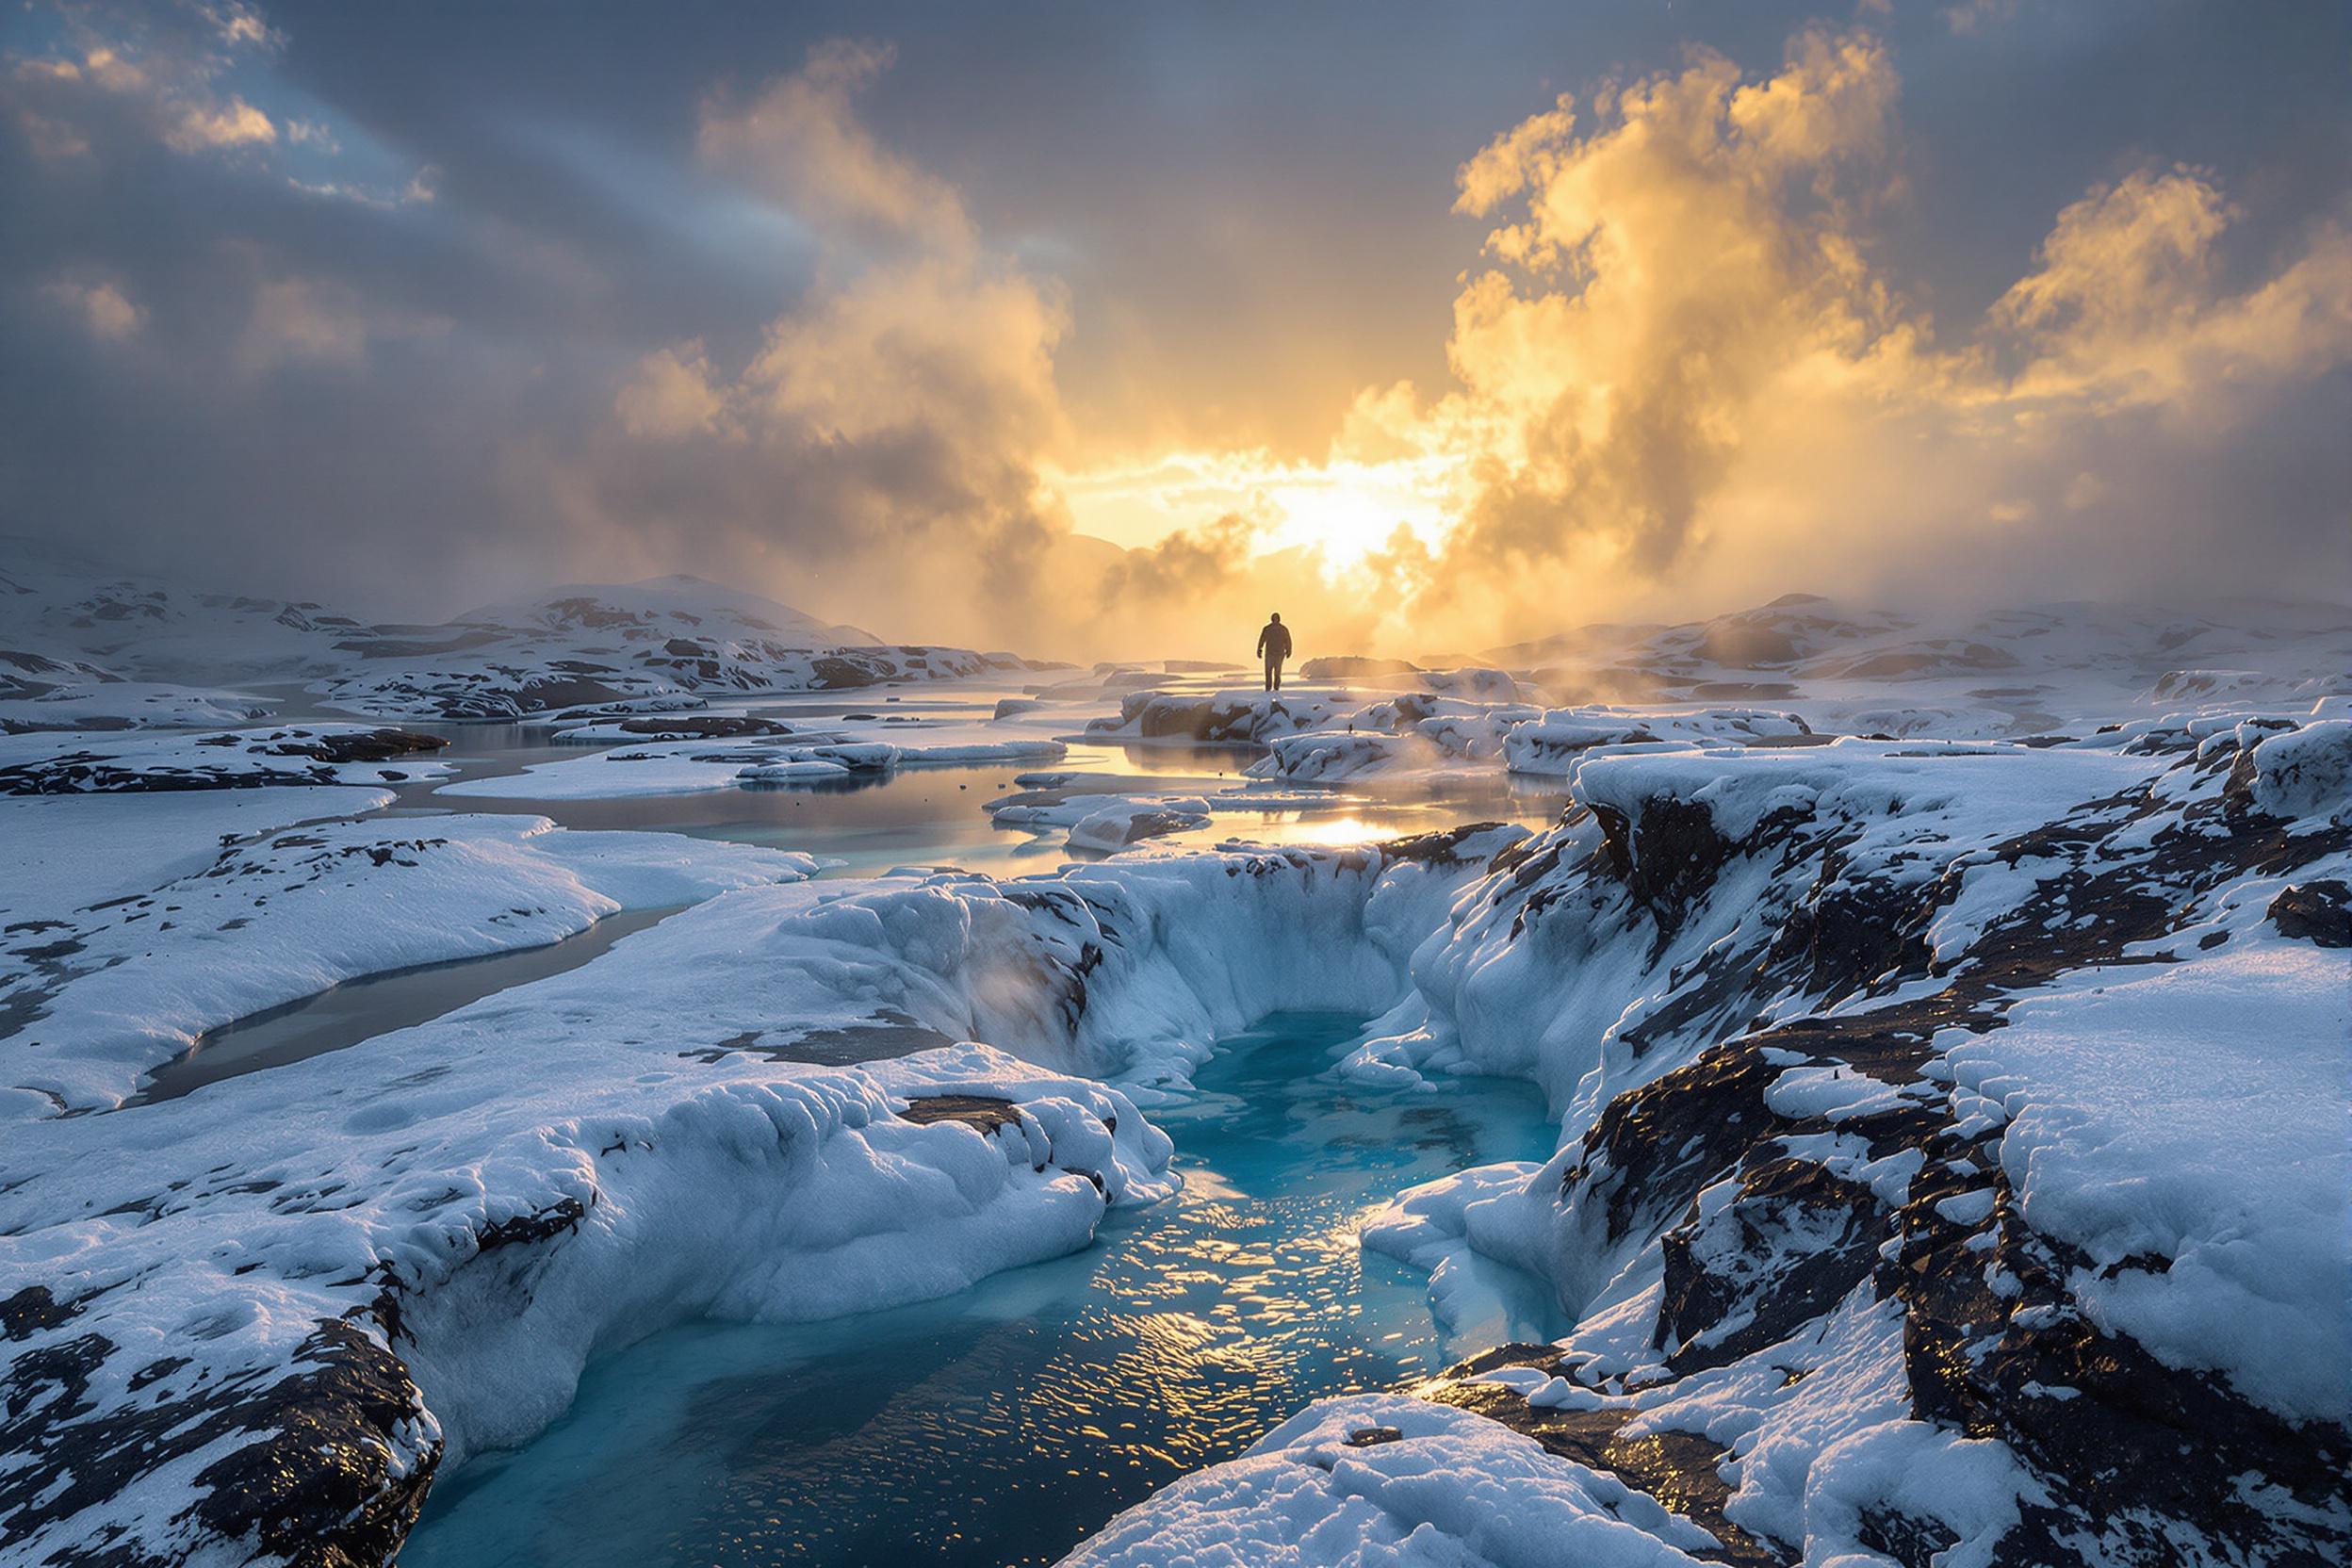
(1261, 642)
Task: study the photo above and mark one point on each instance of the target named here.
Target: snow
(280, 917)
(103, 702)
(69, 852)
(706, 1174)
(1748, 908)
(668, 643)
(693, 766)
(1553, 743)
(66, 762)
(1452, 1489)
(2307, 771)
(2146, 1120)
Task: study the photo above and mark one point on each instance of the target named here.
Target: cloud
(888, 431)
(1677, 350)
(102, 309)
(212, 127)
(799, 140)
(2124, 309)
(1663, 281)
(1189, 563)
(322, 324)
(670, 395)
(163, 68)
(1686, 372)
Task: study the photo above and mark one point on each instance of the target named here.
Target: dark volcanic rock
(335, 1457)
(1676, 1469)
(2316, 912)
(985, 1113)
(368, 745)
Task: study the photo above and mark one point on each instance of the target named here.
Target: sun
(1341, 509)
(1348, 510)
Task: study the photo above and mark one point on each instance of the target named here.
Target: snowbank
(447, 1221)
(813, 755)
(1953, 1153)
(104, 997)
(1386, 1479)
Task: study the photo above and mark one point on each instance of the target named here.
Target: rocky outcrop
(238, 760)
(1808, 1171)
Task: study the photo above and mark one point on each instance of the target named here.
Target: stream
(1003, 1423)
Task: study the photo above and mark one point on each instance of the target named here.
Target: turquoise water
(1003, 1425)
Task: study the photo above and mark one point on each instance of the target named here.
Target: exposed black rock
(1676, 1469)
(2144, 1463)
(985, 1113)
(2316, 912)
(336, 1460)
(1795, 1237)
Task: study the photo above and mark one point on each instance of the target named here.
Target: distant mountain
(1806, 644)
(69, 627)
(682, 605)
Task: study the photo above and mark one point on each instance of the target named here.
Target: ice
(1431, 1486)
(1946, 1018)
(812, 754)
(285, 914)
(2146, 1120)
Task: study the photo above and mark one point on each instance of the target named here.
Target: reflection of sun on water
(1331, 832)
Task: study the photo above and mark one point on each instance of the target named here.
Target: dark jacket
(1274, 641)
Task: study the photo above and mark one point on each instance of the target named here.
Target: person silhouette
(1274, 642)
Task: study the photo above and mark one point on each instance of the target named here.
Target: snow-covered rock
(1234, 717)
(64, 762)
(217, 1342)
(784, 758)
(666, 643)
(1953, 1162)
(1552, 745)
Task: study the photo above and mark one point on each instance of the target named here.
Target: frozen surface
(115, 986)
(1001, 1425)
(1438, 1486)
(2146, 1121)
(1948, 1023)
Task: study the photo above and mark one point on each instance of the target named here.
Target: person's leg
(1269, 675)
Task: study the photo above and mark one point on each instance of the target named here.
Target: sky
(1099, 330)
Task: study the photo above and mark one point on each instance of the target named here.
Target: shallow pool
(1005, 1424)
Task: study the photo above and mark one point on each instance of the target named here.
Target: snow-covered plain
(1949, 1028)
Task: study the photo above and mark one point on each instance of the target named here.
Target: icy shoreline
(590, 1120)
(1955, 1120)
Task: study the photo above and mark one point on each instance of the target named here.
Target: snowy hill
(665, 607)
(2068, 654)
(83, 646)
